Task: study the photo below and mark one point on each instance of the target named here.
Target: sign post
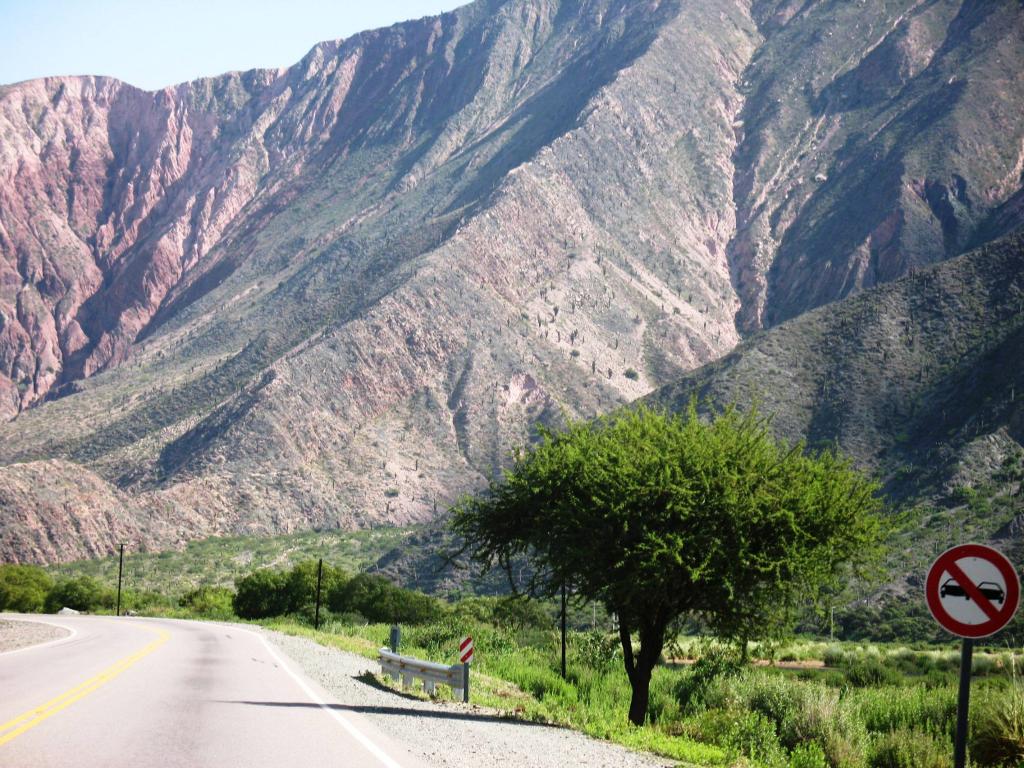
(465, 656)
(972, 591)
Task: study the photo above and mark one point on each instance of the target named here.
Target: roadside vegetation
(796, 702)
(838, 704)
(220, 560)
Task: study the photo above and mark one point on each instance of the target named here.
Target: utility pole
(319, 581)
(120, 570)
(563, 630)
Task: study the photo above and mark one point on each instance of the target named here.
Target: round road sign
(972, 590)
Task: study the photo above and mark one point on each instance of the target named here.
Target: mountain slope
(919, 382)
(336, 295)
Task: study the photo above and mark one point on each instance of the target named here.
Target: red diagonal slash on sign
(973, 592)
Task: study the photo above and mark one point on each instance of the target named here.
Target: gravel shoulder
(15, 634)
(423, 727)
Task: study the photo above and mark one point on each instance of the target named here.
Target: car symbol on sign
(989, 589)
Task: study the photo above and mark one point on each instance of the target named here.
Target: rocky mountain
(918, 382)
(336, 294)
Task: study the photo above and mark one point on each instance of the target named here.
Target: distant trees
(378, 600)
(83, 593)
(660, 517)
(266, 593)
(23, 588)
(261, 594)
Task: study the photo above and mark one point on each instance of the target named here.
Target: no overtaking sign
(972, 590)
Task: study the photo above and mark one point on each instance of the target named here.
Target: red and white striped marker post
(465, 656)
(466, 649)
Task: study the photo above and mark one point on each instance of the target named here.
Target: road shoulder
(17, 633)
(445, 733)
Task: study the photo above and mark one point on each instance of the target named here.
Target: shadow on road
(377, 710)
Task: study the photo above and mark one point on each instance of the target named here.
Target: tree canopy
(23, 588)
(661, 516)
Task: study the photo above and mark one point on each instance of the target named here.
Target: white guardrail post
(431, 673)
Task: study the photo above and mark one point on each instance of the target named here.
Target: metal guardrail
(431, 673)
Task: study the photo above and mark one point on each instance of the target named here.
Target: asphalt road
(148, 692)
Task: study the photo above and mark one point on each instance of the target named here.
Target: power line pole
(120, 570)
(319, 581)
(563, 630)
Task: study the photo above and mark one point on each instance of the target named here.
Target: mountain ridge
(422, 240)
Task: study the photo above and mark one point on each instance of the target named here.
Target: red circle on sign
(947, 563)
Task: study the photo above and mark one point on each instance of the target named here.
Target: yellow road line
(33, 717)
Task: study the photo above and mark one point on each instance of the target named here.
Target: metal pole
(319, 581)
(563, 630)
(960, 745)
(465, 683)
(120, 570)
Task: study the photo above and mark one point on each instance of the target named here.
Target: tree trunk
(641, 696)
(640, 665)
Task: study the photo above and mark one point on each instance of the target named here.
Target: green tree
(83, 593)
(23, 588)
(378, 599)
(261, 594)
(660, 517)
(301, 585)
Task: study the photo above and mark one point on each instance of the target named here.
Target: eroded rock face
(338, 294)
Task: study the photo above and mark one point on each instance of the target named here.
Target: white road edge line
(71, 630)
(343, 722)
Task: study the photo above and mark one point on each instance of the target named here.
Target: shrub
(83, 593)
(520, 613)
(261, 594)
(209, 602)
(779, 700)
(909, 749)
(834, 656)
(753, 735)
(379, 600)
(594, 650)
(476, 610)
(997, 733)
(800, 712)
(892, 709)
(704, 686)
(870, 672)
(23, 588)
(809, 755)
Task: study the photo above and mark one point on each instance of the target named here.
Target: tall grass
(717, 711)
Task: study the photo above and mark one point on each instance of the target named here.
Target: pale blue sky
(153, 43)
